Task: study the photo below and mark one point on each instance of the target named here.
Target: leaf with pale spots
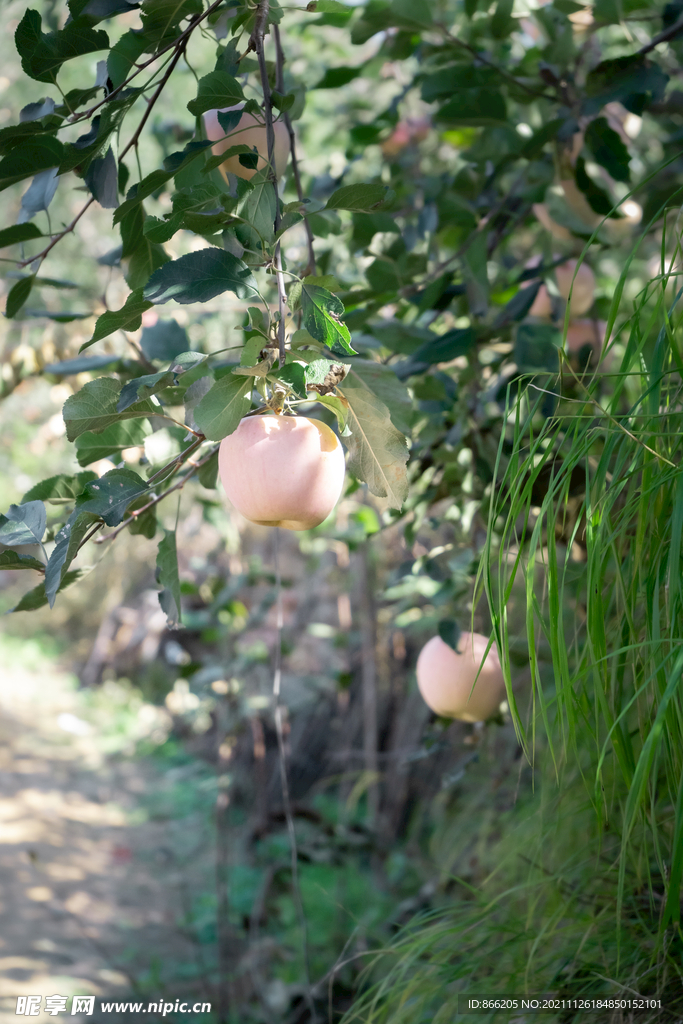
(378, 451)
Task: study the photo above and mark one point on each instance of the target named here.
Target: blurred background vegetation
(148, 850)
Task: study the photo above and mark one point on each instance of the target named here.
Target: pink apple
(445, 678)
(282, 470)
(249, 132)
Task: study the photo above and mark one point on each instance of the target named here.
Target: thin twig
(489, 63)
(155, 501)
(669, 33)
(157, 93)
(89, 536)
(41, 255)
(179, 458)
(141, 67)
(286, 801)
(279, 71)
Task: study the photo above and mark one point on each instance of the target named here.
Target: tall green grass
(583, 894)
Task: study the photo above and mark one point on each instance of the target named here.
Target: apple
(248, 132)
(445, 678)
(282, 470)
(582, 286)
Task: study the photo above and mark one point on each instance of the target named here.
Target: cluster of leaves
(418, 279)
(235, 215)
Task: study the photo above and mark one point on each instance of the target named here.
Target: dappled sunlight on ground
(81, 892)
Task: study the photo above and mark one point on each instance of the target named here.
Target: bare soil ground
(89, 900)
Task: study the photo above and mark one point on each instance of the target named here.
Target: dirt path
(90, 901)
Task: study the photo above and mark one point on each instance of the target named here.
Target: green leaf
(65, 550)
(37, 597)
(168, 577)
(17, 296)
(450, 633)
(321, 317)
(383, 276)
(94, 408)
(42, 54)
(102, 178)
(111, 441)
(475, 107)
(324, 376)
(13, 560)
(19, 233)
(378, 451)
(360, 198)
(160, 18)
(502, 23)
(207, 475)
(454, 79)
(519, 305)
(110, 496)
(123, 56)
(282, 101)
(221, 409)
(147, 258)
(476, 273)
(340, 408)
(632, 80)
(398, 336)
(146, 523)
(294, 376)
(442, 349)
(143, 387)
(608, 149)
(164, 340)
(329, 7)
(536, 347)
(381, 381)
(259, 205)
(60, 489)
(80, 365)
(134, 197)
(128, 318)
(335, 78)
(23, 524)
(597, 197)
(66, 317)
(217, 89)
(201, 276)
